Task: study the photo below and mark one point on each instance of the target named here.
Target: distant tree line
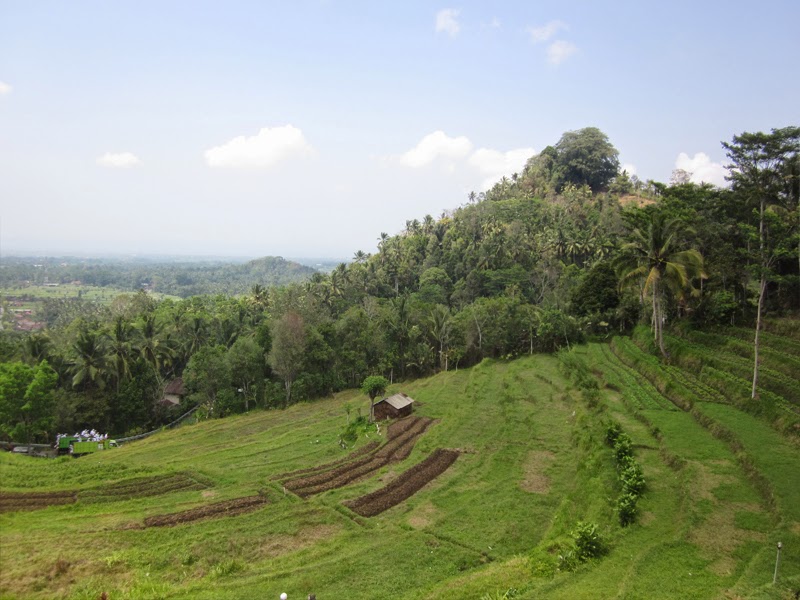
(170, 278)
(563, 251)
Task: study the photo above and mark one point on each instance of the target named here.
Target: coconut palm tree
(439, 323)
(88, 365)
(652, 256)
(155, 349)
(120, 350)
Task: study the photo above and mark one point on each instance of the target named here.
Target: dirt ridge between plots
(402, 436)
(127, 489)
(405, 486)
(226, 508)
(143, 487)
(366, 449)
(15, 501)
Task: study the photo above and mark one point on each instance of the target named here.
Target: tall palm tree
(120, 350)
(154, 347)
(38, 347)
(439, 322)
(652, 256)
(88, 365)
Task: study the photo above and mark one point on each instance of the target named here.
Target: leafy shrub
(623, 447)
(588, 542)
(632, 479)
(351, 432)
(612, 432)
(568, 561)
(626, 506)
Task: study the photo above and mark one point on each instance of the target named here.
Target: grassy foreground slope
(532, 465)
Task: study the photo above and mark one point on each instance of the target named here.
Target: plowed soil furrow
(363, 451)
(127, 486)
(404, 486)
(399, 427)
(302, 477)
(36, 495)
(227, 508)
(393, 451)
(143, 487)
(17, 501)
(358, 467)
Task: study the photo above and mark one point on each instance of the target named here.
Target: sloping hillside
(206, 511)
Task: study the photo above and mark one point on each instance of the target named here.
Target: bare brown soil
(535, 480)
(143, 487)
(228, 508)
(366, 449)
(402, 436)
(405, 486)
(14, 501)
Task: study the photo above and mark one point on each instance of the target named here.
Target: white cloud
(702, 168)
(493, 24)
(631, 169)
(118, 160)
(434, 146)
(447, 21)
(493, 164)
(545, 32)
(559, 51)
(265, 149)
(4, 88)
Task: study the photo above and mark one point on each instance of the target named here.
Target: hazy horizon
(264, 129)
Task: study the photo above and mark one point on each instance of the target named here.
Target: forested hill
(546, 259)
(182, 279)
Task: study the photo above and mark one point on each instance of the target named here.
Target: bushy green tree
(288, 347)
(208, 379)
(758, 167)
(585, 157)
(374, 386)
(26, 401)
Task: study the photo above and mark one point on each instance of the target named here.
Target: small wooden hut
(393, 407)
(173, 392)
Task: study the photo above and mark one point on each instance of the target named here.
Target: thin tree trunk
(761, 293)
(480, 335)
(657, 320)
(762, 288)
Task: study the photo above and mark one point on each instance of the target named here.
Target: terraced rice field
(476, 496)
(402, 437)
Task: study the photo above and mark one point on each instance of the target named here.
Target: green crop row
(633, 392)
(778, 361)
(789, 328)
(774, 342)
(652, 370)
(629, 473)
(736, 390)
(688, 355)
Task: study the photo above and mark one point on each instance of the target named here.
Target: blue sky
(307, 128)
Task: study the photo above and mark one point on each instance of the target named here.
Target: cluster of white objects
(87, 435)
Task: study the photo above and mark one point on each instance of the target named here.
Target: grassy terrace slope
(532, 464)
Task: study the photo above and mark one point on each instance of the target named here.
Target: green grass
(37, 293)
(533, 464)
